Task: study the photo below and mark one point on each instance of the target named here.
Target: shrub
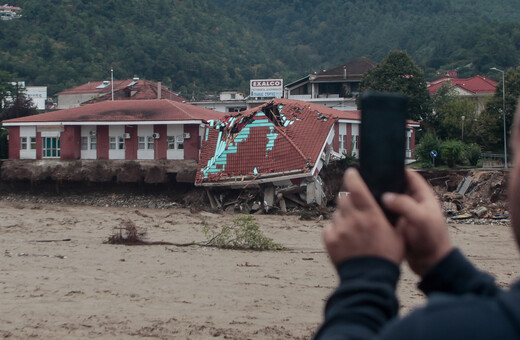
(451, 151)
(428, 143)
(244, 234)
(472, 153)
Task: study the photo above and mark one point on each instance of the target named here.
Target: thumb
(402, 205)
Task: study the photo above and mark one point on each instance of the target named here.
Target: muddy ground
(75, 286)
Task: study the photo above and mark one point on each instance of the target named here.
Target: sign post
(433, 155)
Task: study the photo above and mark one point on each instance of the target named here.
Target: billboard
(262, 88)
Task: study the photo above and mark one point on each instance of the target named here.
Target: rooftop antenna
(112, 81)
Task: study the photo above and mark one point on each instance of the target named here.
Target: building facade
(126, 130)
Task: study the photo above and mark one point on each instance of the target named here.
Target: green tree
(429, 142)
(398, 73)
(452, 151)
(449, 108)
(490, 122)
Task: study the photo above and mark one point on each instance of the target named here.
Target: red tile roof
(476, 84)
(142, 89)
(92, 87)
(278, 137)
(124, 110)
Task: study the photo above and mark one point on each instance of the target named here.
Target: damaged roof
(157, 110)
(278, 138)
(138, 90)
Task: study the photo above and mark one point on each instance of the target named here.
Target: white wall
(28, 132)
(116, 131)
(85, 132)
(175, 130)
(145, 131)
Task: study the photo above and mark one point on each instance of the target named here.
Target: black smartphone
(383, 143)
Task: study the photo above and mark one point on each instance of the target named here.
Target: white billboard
(38, 94)
(262, 88)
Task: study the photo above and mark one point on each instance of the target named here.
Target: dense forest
(203, 46)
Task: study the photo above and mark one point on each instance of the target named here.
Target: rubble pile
(476, 197)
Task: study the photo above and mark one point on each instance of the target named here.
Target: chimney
(344, 72)
(159, 90)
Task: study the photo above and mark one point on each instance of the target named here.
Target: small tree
(451, 151)
(428, 143)
(472, 153)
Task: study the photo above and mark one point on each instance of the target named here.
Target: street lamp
(463, 117)
(503, 112)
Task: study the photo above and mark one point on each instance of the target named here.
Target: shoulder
(456, 317)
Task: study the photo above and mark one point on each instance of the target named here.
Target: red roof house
(478, 88)
(123, 129)
(129, 89)
(474, 86)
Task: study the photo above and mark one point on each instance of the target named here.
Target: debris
(480, 212)
(464, 185)
(462, 216)
(63, 240)
(500, 216)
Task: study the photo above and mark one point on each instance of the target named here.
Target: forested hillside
(210, 45)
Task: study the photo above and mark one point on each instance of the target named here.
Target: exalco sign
(262, 88)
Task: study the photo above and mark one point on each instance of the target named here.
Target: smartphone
(383, 143)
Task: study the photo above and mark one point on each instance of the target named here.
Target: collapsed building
(279, 147)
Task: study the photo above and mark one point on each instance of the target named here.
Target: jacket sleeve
(455, 275)
(364, 302)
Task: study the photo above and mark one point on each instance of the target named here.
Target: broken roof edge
(241, 181)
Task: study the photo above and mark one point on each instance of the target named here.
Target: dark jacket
(463, 303)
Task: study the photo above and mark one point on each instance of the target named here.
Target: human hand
(421, 222)
(360, 227)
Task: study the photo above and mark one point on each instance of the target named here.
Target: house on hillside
(228, 101)
(283, 143)
(130, 89)
(336, 88)
(112, 130)
(478, 89)
(9, 12)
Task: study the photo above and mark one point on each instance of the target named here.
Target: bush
(428, 143)
(452, 151)
(472, 153)
(244, 234)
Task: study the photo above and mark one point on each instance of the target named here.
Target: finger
(402, 205)
(417, 186)
(344, 205)
(360, 195)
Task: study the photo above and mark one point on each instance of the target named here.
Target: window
(27, 143)
(112, 145)
(341, 142)
(84, 143)
(180, 142)
(121, 142)
(175, 142)
(171, 142)
(51, 147)
(88, 143)
(145, 142)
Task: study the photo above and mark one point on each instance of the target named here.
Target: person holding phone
(367, 250)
